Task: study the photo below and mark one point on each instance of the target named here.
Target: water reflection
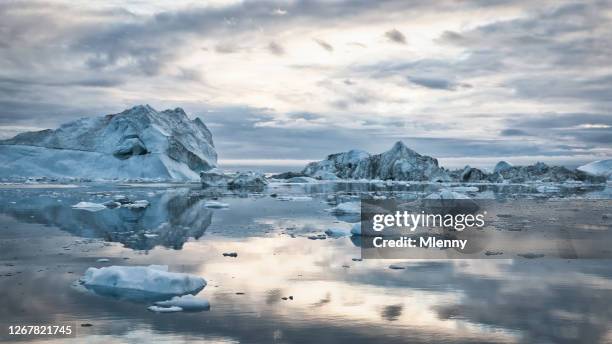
(335, 299)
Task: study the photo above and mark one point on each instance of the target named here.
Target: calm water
(45, 246)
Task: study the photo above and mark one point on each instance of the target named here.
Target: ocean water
(46, 245)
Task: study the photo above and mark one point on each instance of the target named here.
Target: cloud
(324, 45)
(276, 49)
(438, 83)
(513, 132)
(396, 36)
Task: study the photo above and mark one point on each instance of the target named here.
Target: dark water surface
(46, 245)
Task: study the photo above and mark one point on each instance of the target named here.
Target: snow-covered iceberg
(398, 163)
(138, 143)
(153, 281)
(602, 168)
(236, 180)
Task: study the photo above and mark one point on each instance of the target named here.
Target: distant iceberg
(602, 168)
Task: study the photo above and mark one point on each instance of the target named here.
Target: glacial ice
(141, 204)
(602, 168)
(347, 208)
(337, 232)
(446, 195)
(138, 143)
(216, 205)
(89, 206)
(158, 309)
(398, 163)
(153, 279)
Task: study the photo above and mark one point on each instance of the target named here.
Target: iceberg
(248, 179)
(347, 208)
(398, 163)
(138, 143)
(502, 166)
(601, 168)
(152, 280)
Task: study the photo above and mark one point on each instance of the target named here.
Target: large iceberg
(138, 143)
(149, 281)
(398, 163)
(602, 168)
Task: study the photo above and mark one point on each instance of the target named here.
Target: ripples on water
(46, 245)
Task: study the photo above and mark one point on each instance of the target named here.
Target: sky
(296, 80)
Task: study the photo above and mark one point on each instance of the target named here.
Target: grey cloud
(438, 83)
(276, 49)
(396, 36)
(226, 48)
(324, 45)
(513, 132)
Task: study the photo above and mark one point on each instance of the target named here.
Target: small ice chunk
(89, 206)
(216, 205)
(103, 260)
(158, 309)
(150, 279)
(294, 198)
(186, 302)
(141, 204)
(347, 208)
(336, 232)
(356, 230)
(447, 195)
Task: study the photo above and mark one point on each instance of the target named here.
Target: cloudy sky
(479, 80)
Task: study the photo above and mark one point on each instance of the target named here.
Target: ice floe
(216, 205)
(153, 279)
(89, 206)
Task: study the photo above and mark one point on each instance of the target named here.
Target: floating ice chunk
(89, 206)
(158, 309)
(347, 208)
(446, 195)
(141, 204)
(103, 260)
(396, 267)
(216, 205)
(186, 302)
(336, 232)
(153, 279)
(294, 198)
(356, 230)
